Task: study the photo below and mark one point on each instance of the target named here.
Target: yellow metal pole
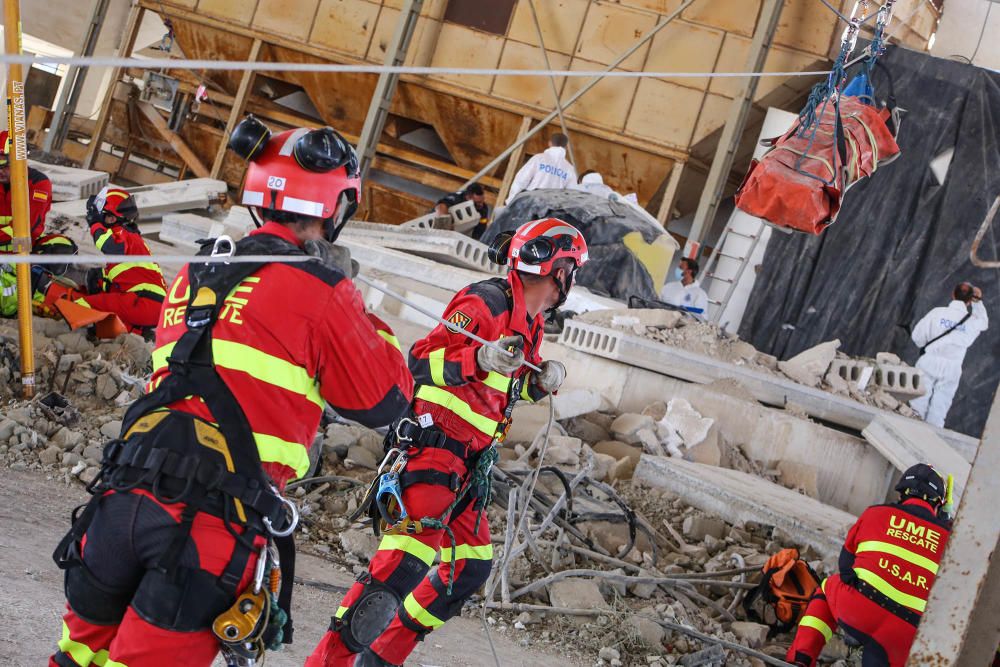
(18, 156)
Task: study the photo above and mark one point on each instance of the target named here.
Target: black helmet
(922, 481)
(249, 138)
(324, 150)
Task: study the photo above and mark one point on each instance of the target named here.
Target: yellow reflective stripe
(436, 359)
(273, 449)
(449, 401)
(419, 614)
(103, 238)
(148, 287)
(822, 586)
(389, 338)
(525, 394)
(469, 552)
(113, 663)
(160, 355)
(82, 654)
(410, 545)
(341, 611)
(125, 266)
(57, 240)
(497, 381)
(266, 368)
(816, 624)
(888, 590)
(899, 552)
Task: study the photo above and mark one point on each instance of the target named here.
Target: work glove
(334, 256)
(552, 376)
(490, 359)
(40, 280)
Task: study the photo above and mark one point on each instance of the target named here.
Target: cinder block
(901, 381)
(849, 369)
(70, 184)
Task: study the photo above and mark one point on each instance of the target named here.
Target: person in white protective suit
(593, 182)
(943, 335)
(547, 170)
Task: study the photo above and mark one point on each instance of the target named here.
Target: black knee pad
(91, 600)
(369, 616)
(186, 600)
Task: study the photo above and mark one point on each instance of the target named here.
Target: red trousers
(885, 637)
(135, 312)
(128, 534)
(402, 563)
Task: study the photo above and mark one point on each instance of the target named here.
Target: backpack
(786, 585)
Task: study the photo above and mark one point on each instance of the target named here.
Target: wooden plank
(238, 106)
(181, 148)
(124, 51)
(513, 162)
(670, 194)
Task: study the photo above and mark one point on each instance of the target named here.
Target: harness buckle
(292, 511)
(399, 425)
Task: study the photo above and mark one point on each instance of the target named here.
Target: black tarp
(613, 270)
(902, 241)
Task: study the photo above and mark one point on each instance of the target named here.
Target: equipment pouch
(185, 600)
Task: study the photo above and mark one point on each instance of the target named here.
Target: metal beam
(239, 105)
(124, 51)
(514, 163)
(962, 623)
(552, 81)
(670, 194)
(378, 110)
(180, 147)
(580, 93)
(73, 83)
(729, 142)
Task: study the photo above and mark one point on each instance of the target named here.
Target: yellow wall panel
(294, 19)
(739, 16)
(432, 8)
(610, 30)
(238, 11)
(560, 20)
(800, 26)
(606, 104)
(665, 111)
(534, 90)
(345, 25)
(658, 6)
(713, 116)
(385, 30)
(785, 60)
(462, 47)
(732, 58)
(685, 47)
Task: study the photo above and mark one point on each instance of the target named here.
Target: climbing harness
(255, 622)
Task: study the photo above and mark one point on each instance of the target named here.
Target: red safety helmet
(298, 174)
(112, 201)
(536, 245)
(4, 148)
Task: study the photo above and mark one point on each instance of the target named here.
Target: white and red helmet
(536, 245)
(312, 173)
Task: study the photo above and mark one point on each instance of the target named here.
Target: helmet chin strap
(563, 287)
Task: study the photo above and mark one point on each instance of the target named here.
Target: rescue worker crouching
(461, 411)
(887, 567)
(187, 514)
(132, 290)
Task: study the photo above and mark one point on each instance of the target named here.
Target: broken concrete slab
(70, 183)
(452, 248)
(199, 193)
(906, 442)
(577, 402)
(738, 497)
(627, 426)
(809, 366)
(186, 229)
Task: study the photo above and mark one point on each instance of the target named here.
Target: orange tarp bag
(786, 585)
(106, 325)
(799, 184)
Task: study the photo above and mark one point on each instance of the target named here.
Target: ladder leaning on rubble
(709, 271)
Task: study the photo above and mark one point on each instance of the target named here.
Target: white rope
(240, 65)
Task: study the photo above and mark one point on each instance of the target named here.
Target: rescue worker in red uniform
(465, 393)
(247, 356)
(132, 290)
(39, 203)
(887, 567)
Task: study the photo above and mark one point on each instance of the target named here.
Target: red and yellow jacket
(39, 203)
(290, 339)
(896, 550)
(464, 402)
(142, 278)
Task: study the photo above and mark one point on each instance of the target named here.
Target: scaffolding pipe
(580, 93)
(17, 155)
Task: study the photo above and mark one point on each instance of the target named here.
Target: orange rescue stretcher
(799, 184)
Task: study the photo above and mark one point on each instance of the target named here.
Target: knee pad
(91, 600)
(185, 600)
(369, 616)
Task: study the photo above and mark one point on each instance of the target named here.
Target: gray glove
(552, 376)
(491, 359)
(334, 256)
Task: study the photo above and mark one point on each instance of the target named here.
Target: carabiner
(293, 509)
(219, 242)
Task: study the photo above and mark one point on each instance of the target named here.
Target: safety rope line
(335, 68)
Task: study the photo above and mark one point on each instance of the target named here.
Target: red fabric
(136, 643)
(842, 604)
(461, 370)
(128, 242)
(320, 327)
(39, 203)
(135, 312)
(405, 574)
(775, 190)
